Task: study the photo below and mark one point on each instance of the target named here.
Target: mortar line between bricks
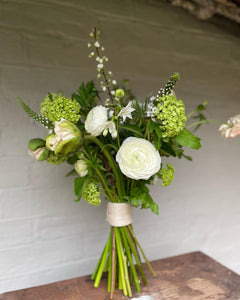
(163, 28)
(233, 65)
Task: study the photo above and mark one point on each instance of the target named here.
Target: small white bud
(105, 132)
(100, 66)
(97, 44)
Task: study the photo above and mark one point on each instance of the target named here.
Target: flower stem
(204, 121)
(129, 256)
(109, 192)
(113, 265)
(111, 162)
(145, 258)
(121, 262)
(102, 264)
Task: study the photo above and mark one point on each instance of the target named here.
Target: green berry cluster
(167, 175)
(58, 107)
(91, 193)
(170, 112)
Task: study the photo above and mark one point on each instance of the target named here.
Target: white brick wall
(44, 235)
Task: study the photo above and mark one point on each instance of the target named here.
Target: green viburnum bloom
(167, 175)
(91, 193)
(59, 107)
(170, 112)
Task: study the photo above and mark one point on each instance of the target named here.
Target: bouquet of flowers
(116, 146)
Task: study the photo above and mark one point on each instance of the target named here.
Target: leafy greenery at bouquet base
(115, 144)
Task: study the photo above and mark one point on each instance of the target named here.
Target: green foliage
(133, 129)
(55, 159)
(198, 116)
(78, 187)
(139, 196)
(38, 118)
(87, 97)
(186, 138)
(72, 159)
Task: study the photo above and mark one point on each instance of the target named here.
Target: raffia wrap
(119, 214)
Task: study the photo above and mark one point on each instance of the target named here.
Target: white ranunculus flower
(96, 120)
(138, 158)
(81, 167)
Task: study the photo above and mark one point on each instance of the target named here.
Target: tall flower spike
(169, 86)
(38, 118)
(108, 84)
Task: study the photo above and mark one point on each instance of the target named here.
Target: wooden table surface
(193, 276)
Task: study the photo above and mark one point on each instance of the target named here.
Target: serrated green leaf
(38, 118)
(186, 138)
(154, 208)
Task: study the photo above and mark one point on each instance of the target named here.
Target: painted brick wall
(44, 235)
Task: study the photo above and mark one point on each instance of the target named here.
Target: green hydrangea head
(58, 107)
(91, 193)
(167, 175)
(170, 112)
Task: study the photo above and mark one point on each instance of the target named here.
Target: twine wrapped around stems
(119, 214)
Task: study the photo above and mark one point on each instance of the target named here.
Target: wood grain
(193, 276)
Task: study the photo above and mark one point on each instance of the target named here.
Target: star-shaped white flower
(126, 112)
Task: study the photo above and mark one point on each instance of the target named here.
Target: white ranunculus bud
(81, 167)
(40, 153)
(96, 120)
(138, 158)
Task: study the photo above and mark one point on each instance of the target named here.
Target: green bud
(119, 93)
(40, 153)
(34, 144)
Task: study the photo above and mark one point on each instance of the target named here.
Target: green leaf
(139, 195)
(157, 142)
(72, 159)
(38, 118)
(87, 95)
(78, 187)
(135, 129)
(186, 138)
(71, 173)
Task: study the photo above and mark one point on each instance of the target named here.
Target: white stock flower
(138, 158)
(96, 120)
(126, 112)
(81, 167)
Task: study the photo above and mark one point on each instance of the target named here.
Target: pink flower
(232, 129)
